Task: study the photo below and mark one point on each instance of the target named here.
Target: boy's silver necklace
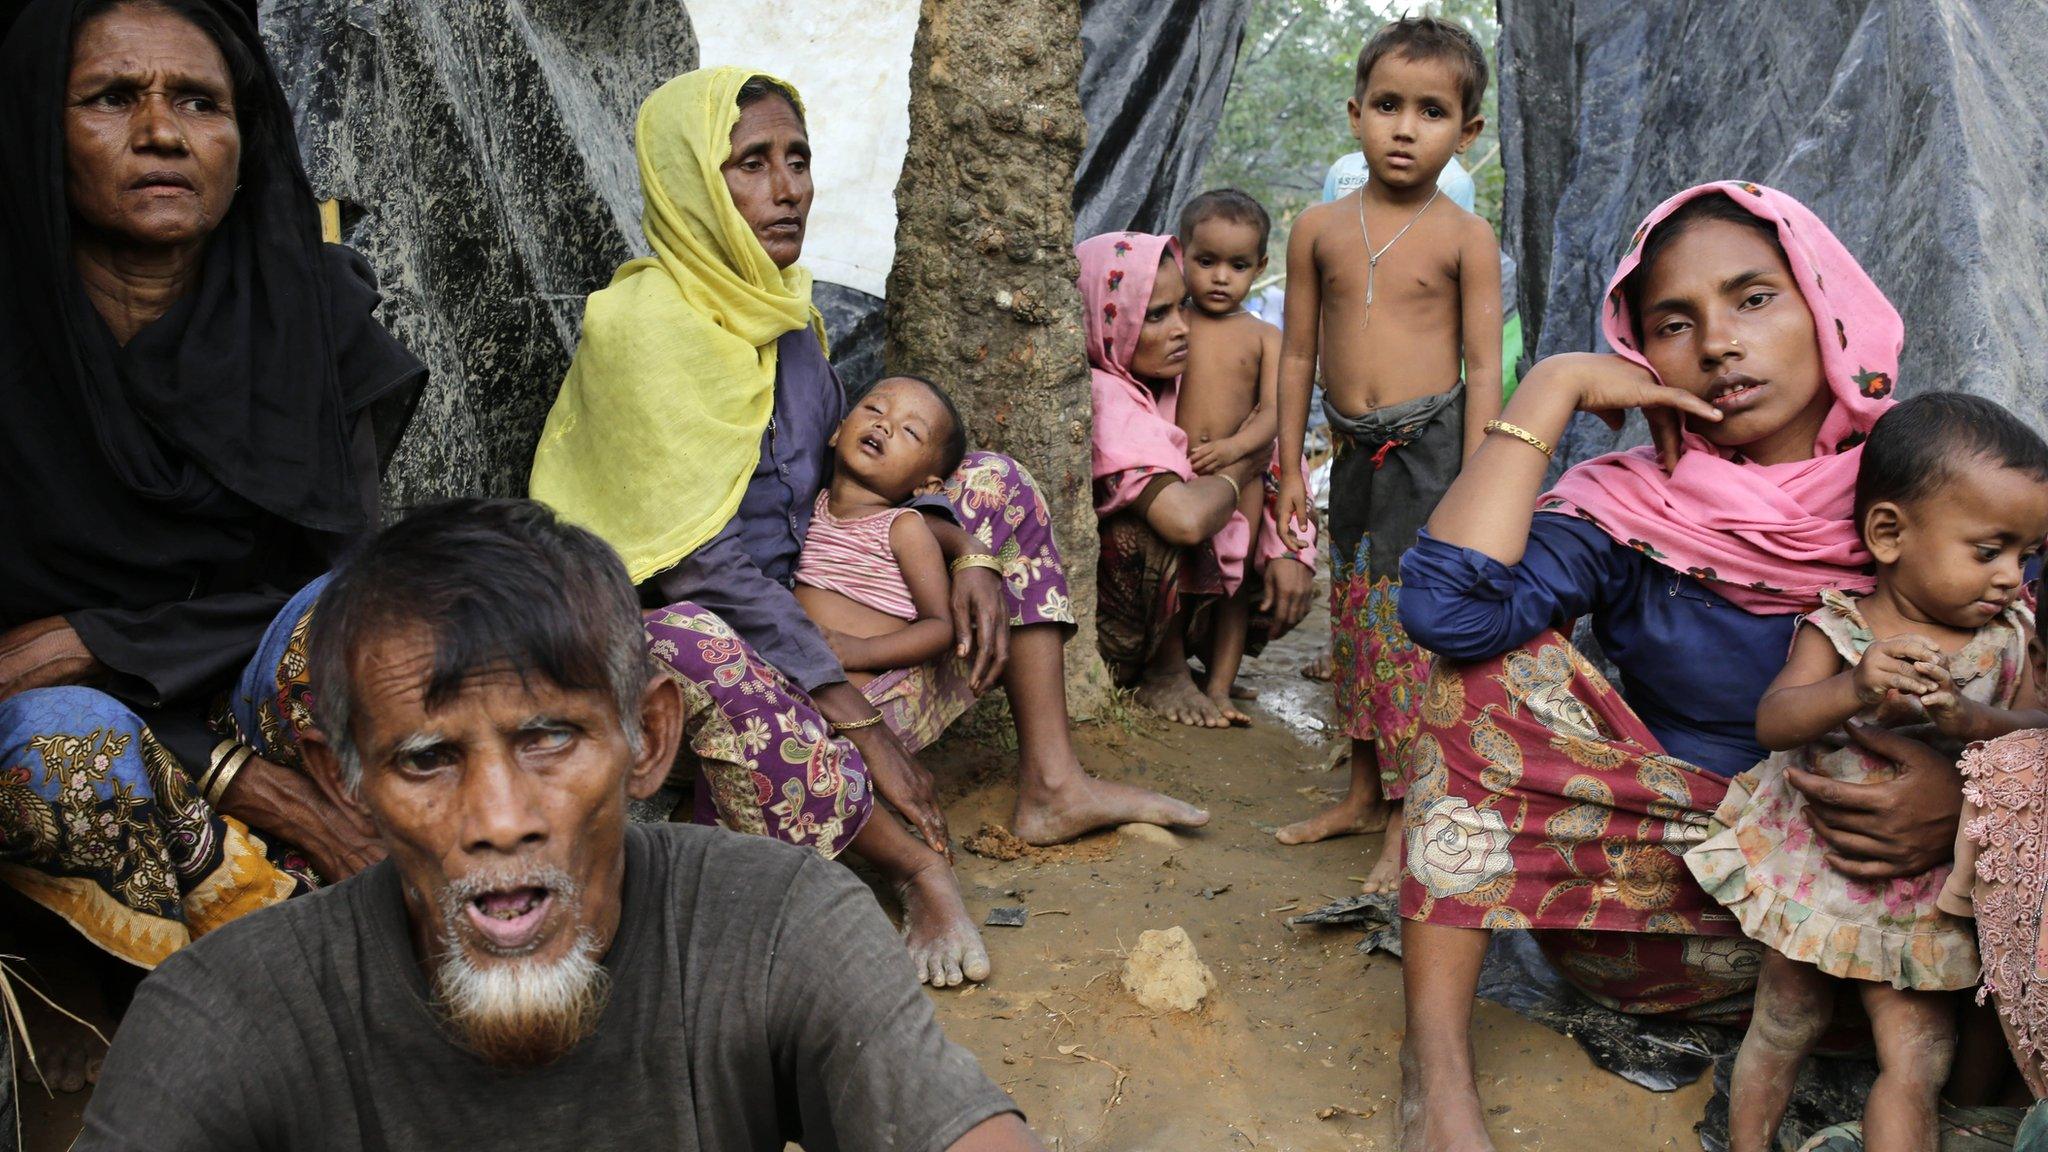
(1372, 258)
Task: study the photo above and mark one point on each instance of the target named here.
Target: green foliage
(1284, 123)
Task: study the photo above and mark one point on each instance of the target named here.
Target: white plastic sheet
(852, 64)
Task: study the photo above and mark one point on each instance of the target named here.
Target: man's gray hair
(496, 583)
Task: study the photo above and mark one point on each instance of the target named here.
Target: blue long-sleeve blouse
(1693, 665)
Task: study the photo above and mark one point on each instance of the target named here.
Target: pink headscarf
(1135, 437)
(1768, 538)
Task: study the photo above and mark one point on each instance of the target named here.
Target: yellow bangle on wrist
(1522, 434)
(976, 560)
(856, 725)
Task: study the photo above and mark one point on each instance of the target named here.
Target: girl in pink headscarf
(1761, 354)
(1172, 542)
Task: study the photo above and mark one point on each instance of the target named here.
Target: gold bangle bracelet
(976, 560)
(1236, 489)
(232, 767)
(1522, 434)
(856, 725)
(214, 760)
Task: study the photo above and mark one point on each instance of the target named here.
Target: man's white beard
(519, 1012)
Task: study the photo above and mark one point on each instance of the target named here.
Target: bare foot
(1323, 667)
(945, 948)
(1173, 695)
(1385, 876)
(1350, 816)
(1239, 690)
(68, 1054)
(1438, 1112)
(1057, 815)
(1237, 717)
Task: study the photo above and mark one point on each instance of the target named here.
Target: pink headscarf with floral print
(1768, 538)
(1135, 438)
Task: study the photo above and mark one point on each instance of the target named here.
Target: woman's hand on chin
(1891, 828)
(1608, 386)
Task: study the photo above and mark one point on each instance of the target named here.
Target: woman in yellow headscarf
(692, 434)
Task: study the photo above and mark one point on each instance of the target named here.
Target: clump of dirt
(995, 842)
(1165, 975)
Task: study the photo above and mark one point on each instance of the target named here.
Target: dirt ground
(1295, 1050)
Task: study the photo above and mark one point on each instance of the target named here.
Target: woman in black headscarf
(192, 397)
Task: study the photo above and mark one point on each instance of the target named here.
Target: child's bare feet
(1224, 700)
(1385, 876)
(1172, 694)
(1080, 803)
(1239, 690)
(1323, 667)
(1352, 816)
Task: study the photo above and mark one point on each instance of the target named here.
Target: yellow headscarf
(658, 425)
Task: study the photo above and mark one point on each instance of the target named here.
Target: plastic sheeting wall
(483, 154)
(851, 62)
(1910, 126)
(1153, 78)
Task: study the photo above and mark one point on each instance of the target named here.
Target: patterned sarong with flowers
(101, 825)
(1539, 800)
(1389, 468)
(767, 762)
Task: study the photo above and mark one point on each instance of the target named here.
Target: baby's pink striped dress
(852, 557)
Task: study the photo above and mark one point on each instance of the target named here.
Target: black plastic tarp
(482, 151)
(1153, 77)
(1911, 127)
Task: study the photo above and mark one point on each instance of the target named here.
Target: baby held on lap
(872, 577)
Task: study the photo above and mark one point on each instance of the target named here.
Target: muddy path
(1296, 1050)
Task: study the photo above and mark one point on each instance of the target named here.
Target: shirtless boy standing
(1228, 392)
(1391, 287)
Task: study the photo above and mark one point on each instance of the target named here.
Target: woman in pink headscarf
(1172, 542)
(1761, 354)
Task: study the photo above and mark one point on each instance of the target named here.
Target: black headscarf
(168, 469)
(168, 497)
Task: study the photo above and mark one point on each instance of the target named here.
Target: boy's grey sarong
(1392, 465)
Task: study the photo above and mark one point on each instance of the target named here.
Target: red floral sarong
(1538, 799)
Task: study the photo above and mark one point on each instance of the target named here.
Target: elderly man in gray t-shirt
(527, 970)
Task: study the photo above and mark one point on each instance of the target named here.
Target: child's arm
(1814, 695)
(931, 634)
(1479, 281)
(1255, 436)
(1298, 371)
(1969, 721)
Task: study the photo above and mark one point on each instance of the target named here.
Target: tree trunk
(982, 296)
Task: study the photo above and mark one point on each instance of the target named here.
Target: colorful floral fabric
(767, 762)
(1539, 800)
(101, 825)
(1764, 862)
(1389, 469)
(2006, 782)
(1141, 583)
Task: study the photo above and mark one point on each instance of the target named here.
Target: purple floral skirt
(767, 762)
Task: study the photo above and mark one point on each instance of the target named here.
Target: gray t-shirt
(758, 997)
